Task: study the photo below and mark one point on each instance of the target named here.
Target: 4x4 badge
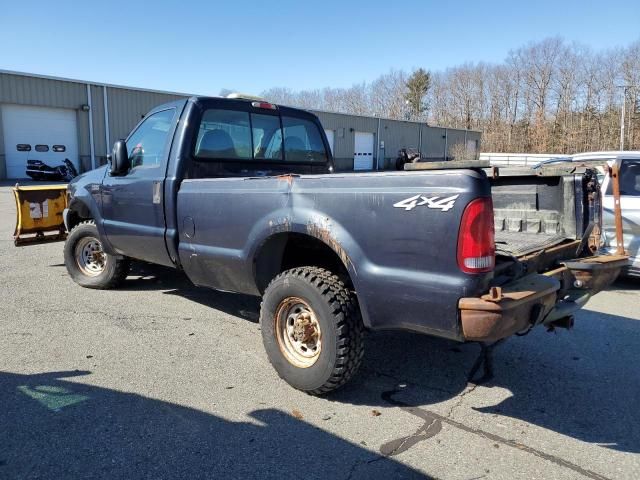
(444, 204)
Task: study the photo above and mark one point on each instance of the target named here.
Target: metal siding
(432, 142)
(477, 136)
(24, 90)
(454, 137)
(84, 150)
(397, 134)
(343, 148)
(97, 113)
(126, 108)
(3, 164)
(460, 137)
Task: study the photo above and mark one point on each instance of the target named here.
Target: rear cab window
(267, 137)
(224, 135)
(256, 135)
(303, 141)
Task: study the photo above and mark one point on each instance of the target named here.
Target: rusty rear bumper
(537, 298)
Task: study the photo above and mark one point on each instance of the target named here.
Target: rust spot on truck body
(288, 177)
(502, 313)
(322, 230)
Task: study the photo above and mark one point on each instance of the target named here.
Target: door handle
(156, 192)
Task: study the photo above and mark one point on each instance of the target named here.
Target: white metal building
(50, 119)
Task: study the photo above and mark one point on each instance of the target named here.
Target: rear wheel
(311, 329)
(86, 261)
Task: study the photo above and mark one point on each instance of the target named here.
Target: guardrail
(518, 159)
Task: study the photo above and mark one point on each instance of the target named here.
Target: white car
(629, 202)
(630, 206)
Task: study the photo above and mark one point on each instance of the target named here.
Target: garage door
(363, 152)
(38, 133)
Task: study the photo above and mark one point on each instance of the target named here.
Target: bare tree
(387, 94)
(545, 97)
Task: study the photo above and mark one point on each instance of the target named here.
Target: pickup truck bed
(391, 255)
(517, 244)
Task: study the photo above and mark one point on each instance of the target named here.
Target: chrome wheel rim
(298, 332)
(90, 257)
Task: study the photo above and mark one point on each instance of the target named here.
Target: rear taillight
(476, 242)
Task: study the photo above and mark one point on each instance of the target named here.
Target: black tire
(338, 316)
(115, 268)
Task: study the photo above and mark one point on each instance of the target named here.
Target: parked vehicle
(241, 196)
(407, 155)
(629, 201)
(38, 170)
(629, 162)
(630, 206)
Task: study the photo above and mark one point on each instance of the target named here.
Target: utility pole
(624, 101)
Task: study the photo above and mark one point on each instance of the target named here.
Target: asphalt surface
(161, 379)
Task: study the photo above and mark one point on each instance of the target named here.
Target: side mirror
(119, 159)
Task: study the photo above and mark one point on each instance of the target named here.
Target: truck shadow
(582, 383)
(145, 277)
(54, 426)
(626, 284)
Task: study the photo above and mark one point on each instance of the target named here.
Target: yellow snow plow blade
(39, 214)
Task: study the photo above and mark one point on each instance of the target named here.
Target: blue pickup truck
(241, 195)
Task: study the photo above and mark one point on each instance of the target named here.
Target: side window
(629, 179)
(224, 135)
(146, 146)
(302, 141)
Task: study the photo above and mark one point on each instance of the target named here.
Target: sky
(201, 47)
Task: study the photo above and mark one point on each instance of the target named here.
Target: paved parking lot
(161, 379)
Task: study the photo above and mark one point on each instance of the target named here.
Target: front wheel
(88, 264)
(311, 329)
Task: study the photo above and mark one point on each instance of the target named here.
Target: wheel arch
(290, 249)
(82, 208)
(286, 250)
(77, 212)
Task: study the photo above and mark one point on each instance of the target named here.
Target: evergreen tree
(418, 86)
